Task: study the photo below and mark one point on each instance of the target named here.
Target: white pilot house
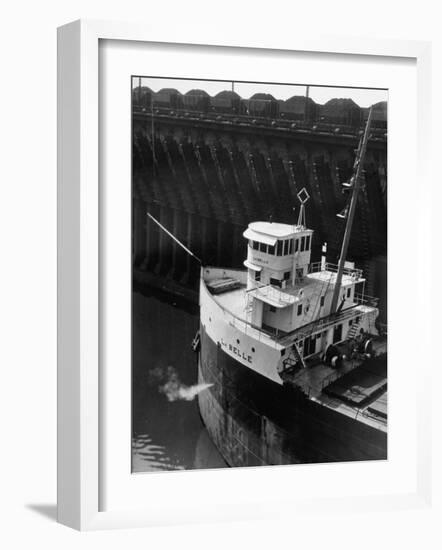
(285, 291)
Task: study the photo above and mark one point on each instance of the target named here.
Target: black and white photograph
(259, 249)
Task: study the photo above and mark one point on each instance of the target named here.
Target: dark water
(167, 434)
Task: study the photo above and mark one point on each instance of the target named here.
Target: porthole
(237, 341)
(253, 350)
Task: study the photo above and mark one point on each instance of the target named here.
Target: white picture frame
(79, 409)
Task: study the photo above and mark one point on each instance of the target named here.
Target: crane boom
(355, 186)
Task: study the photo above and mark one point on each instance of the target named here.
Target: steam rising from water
(170, 385)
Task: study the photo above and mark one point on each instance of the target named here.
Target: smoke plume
(170, 385)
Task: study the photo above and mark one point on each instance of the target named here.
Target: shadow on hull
(254, 421)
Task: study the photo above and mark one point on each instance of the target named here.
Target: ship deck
(353, 396)
(234, 301)
(356, 389)
(313, 284)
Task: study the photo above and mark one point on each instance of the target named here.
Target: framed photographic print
(231, 239)
(235, 303)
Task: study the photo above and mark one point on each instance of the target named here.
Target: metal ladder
(295, 357)
(353, 331)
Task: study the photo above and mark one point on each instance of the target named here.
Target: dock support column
(237, 254)
(139, 240)
(219, 236)
(203, 240)
(173, 267)
(161, 241)
(187, 275)
(147, 235)
(135, 239)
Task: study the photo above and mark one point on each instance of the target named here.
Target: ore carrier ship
(290, 351)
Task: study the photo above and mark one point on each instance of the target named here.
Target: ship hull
(255, 421)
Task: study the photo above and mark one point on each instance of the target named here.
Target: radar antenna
(303, 197)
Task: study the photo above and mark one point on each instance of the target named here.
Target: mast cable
(174, 238)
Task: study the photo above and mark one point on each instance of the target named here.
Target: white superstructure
(277, 313)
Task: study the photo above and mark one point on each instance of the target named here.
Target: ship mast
(354, 185)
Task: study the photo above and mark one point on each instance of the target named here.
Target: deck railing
(281, 338)
(319, 325)
(364, 300)
(275, 123)
(315, 267)
(271, 292)
(260, 333)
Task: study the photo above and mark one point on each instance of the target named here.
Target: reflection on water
(167, 430)
(146, 456)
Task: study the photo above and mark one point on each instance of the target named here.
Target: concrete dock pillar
(188, 264)
(175, 252)
(161, 241)
(219, 242)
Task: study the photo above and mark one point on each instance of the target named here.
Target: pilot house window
(279, 248)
